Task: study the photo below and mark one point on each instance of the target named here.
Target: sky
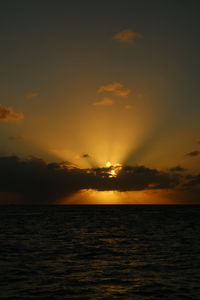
(100, 99)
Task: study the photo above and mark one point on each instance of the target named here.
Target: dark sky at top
(72, 91)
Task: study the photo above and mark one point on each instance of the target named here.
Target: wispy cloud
(128, 106)
(104, 102)
(31, 95)
(127, 36)
(116, 88)
(193, 153)
(8, 114)
(16, 137)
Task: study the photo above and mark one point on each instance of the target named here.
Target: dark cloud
(40, 182)
(193, 181)
(193, 153)
(37, 181)
(178, 169)
(8, 114)
(85, 155)
(140, 177)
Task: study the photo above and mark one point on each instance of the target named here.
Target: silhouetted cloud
(104, 102)
(193, 181)
(40, 182)
(8, 114)
(193, 153)
(31, 95)
(116, 88)
(140, 177)
(127, 36)
(178, 169)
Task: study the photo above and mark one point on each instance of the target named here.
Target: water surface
(100, 252)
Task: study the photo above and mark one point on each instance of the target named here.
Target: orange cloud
(8, 114)
(128, 106)
(31, 95)
(104, 102)
(116, 88)
(127, 36)
(16, 137)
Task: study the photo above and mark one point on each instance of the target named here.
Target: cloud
(140, 178)
(128, 106)
(116, 88)
(140, 95)
(127, 36)
(178, 169)
(194, 181)
(8, 114)
(31, 95)
(40, 182)
(104, 102)
(193, 153)
(85, 155)
(16, 137)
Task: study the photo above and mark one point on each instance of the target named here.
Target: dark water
(100, 252)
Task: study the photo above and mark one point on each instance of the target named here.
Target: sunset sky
(101, 100)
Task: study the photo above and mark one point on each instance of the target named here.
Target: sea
(138, 252)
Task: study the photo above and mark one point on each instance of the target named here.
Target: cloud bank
(39, 182)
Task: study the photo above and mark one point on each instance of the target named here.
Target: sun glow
(113, 173)
(108, 164)
(100, 137)
(113, 169)
(88, 197)
(93, 197)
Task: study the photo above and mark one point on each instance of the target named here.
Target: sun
(113, 169)
(108, 164)
(113, 173)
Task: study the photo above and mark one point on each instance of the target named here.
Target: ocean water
(99, 252)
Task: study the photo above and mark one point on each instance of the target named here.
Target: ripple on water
(77, 253)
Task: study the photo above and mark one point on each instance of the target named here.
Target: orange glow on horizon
(94, 197)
